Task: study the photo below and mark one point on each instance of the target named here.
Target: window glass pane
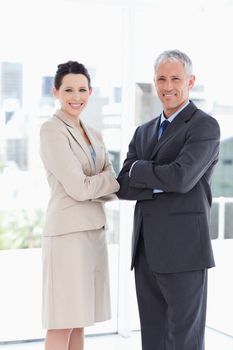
(228, 220)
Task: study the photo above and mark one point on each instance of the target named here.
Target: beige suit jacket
(79, 187)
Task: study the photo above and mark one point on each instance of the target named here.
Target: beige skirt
(75, 280)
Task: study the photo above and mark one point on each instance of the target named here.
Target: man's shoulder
(201, 116)
(204, 124)
(200, 113)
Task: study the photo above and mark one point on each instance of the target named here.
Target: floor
(214, 341)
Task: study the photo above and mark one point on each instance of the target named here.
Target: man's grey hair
(174, 56)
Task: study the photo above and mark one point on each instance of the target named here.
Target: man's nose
(168, 85)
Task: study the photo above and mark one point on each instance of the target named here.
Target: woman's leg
(76, 339)
(57, 339)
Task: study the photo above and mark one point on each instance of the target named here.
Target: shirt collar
(172, 117)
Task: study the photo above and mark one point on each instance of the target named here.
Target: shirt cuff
(157, 191)
(130, 170)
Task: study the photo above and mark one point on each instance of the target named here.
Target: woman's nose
(76, 95)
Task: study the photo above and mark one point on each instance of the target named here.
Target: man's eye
(83, 90)
(68, 90)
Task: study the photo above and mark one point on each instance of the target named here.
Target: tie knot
(162, 127)
(164, 124)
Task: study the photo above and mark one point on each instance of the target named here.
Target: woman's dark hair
(67, 68)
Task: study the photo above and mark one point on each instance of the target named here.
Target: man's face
(172, 85)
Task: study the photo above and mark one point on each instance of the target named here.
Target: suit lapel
(75, 134)
(150, 139)
(97, 148)
(183, 117)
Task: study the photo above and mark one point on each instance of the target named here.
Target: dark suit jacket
(175, 223)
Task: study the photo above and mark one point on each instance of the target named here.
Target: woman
(81, 179)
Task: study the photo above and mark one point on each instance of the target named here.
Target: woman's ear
(54, 92)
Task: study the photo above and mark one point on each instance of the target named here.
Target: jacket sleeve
(126, 191)
(199, 152)
(59, 159)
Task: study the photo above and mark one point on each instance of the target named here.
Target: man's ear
(191, 81)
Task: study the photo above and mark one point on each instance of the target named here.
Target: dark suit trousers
(172, 306)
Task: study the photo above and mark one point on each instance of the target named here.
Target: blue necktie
(163, 127)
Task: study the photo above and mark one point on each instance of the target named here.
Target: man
(168, 170)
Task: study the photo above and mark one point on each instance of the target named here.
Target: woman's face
(73, 94)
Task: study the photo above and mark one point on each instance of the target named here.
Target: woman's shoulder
(52, 123)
